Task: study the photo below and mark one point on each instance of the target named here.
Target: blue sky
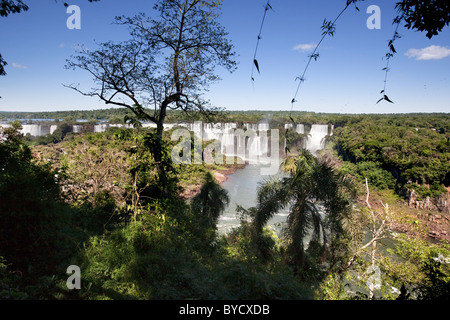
(347, 77)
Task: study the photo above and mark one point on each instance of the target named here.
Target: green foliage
(206, 208)
(437, 279)
(156, 258)
(40, 233)
(312, 187)
(37, 236)
(294, 140)
(92, 163)
(420, 267)
(133, 243)
(8, 283)
(100, 216)
(423, 16)
(210, 202)
(250, 246)
(398, 154)
(376, 176)
(28, 205)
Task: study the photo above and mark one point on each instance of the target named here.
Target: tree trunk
(158, 154)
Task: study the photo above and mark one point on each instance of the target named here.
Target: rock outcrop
(442, 204)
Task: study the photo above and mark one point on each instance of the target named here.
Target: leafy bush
(30, 210)
(376, 176)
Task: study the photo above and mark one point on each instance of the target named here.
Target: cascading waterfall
(228, 142)
(249, 145)
(254, 148)
(54, 127)
(76, 128)
(232, 142)
(100, 127)
(33, 130)
(315, 141)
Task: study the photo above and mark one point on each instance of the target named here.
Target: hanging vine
(417, 14)
(328, 29)
(390, 55)
(255, 61)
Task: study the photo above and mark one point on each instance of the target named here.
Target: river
(242, 189)
(242, 186)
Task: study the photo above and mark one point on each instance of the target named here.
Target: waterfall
(33, 130)
(2, 128)
(197, 128)
(254, 149)
(315, 140)
(53, 128)
(261, 126)
(76, 128)
(251, 126)
(149, 125)
(264, 144)
(300, 129)
(250, 144)
(227, 144)
(45, 130)
(209, 132)
(101, 127)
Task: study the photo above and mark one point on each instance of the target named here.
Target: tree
(378, 224)
(318, 198)
(11, 6)
(210, 203)
(430, 16)
(167, 63)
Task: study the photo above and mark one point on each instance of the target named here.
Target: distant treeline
(438, 121)
(103, 114)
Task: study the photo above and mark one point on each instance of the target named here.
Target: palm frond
(273, 196)
(211, 201)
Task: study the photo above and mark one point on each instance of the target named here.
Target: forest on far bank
(438, 121)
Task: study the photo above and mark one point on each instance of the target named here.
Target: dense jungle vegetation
(97, 201)
(399, 153)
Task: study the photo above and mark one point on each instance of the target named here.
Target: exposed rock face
(220, 177)
(412, 198)
(442, 204)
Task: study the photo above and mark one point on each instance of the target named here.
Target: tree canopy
(167, 63)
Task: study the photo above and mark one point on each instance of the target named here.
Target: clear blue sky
(347, 77)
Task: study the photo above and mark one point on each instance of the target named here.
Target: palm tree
(210, 203)
(318, 199)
